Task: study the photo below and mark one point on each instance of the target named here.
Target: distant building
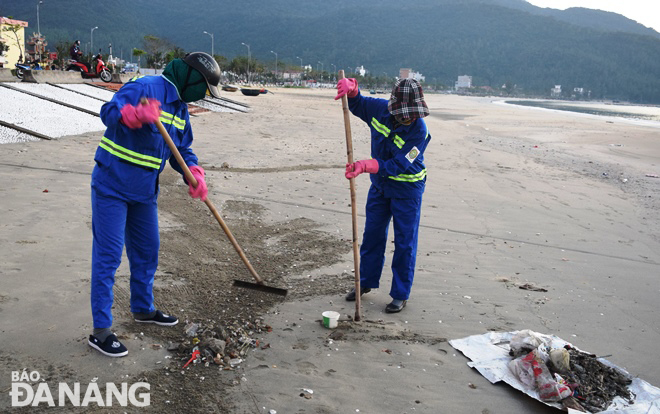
(407, 73)
(360, 70)
(291, 74)
(9, 38)
(556, 91)
(464, 81)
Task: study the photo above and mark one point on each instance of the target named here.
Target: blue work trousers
(405, 213)
(115, 222)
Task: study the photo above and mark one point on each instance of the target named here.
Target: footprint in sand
(306, 367)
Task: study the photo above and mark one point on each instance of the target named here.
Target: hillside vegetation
(497, 42)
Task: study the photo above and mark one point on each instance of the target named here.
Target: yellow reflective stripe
(399, 142)
(130, 156)
(136, 77)
(380, 127)
(179, 123)
(168, 118)
(410, 178)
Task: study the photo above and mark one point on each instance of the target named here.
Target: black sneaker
(160, 319)
(351, 295)
(110, 347)
(394, 308)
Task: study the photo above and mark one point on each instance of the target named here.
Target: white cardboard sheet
(489, 354)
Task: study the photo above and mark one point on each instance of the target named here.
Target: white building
(361, 70)
(464, 81)
(556, 91)
(292, 75)
(407, 73)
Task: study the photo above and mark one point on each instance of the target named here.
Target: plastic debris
(191, 329)
(196, 357)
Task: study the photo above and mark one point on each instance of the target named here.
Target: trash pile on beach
(576, 379)
(223, 346)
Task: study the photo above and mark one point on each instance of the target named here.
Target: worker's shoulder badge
(414, 152)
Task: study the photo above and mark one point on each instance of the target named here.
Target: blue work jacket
(399, 151)
(129, 161)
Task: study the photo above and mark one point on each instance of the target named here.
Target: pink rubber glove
(201, 191)
(359, 167)
(135, 116)
(348, 87)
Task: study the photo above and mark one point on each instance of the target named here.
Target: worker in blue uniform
(398, 175)
(129, 160)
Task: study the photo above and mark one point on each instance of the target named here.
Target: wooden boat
(229, 88)
(250, 92)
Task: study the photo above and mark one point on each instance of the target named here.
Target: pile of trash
(223, 346)
(558, 374)
(576, 379)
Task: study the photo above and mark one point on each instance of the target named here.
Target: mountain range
(494, 41)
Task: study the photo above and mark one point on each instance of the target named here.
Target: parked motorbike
(98, 69)
(22, 67)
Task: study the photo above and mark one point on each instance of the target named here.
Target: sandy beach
(561, 201)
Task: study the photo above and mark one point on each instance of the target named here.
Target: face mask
(194, 88)
(403, 121)
(194, 92)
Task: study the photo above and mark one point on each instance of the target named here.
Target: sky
(646, 12)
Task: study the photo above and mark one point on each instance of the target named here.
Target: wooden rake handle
(349, 153)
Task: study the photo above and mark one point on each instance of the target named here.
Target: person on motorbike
(75, 51)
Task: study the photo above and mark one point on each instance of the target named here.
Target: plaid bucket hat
(407, 100)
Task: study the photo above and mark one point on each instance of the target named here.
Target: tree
(239, 65)
(222, 61)
(156, 50)
(14, 29)
(138, 53)
(62, 49)
(176, 53)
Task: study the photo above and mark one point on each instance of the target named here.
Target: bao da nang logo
(75, 395)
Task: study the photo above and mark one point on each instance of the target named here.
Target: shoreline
(581, 108)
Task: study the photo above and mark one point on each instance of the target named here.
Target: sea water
(625, 111)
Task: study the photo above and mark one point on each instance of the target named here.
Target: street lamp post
(91, 40)
(335, 70)
(212, 46)
(248, 65)
(301, 65)
(38, 26)
(275, 65)
(37, 45)
(319, 62)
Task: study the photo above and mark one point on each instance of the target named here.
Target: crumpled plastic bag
(531, 370)
(524, 371)
(524, 342)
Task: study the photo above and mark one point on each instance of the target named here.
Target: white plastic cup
(330, 319)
